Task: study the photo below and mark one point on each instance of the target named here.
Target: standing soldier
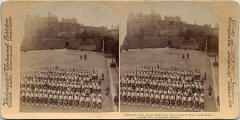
(50, 99)
(82, 100)
(32, 97)
(172, 100)
(157, 100)
(55, 100)
(44, 98)
(85, 56)
(65, 99)
(163, 100)
(179, 100)
(60, 99)
(202, 101)
(133, 95)
(23, 96)
(94, 102)
(187, 55)
(190, 103)
(152, 99)
(70, 100)
(37, 94)
(196, 103)
(167, 99)
(76, 101)
(87, 103)
(107, 91)
(210, 91)
(99, 102)
(102, 78)
(41, 99)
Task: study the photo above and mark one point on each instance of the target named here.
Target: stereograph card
(120, 59)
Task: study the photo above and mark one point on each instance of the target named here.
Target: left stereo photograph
(69, 59)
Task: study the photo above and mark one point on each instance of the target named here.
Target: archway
(169, 43)
(66, 45)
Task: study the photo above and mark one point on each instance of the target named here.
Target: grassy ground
(97, 61)
(163, 56)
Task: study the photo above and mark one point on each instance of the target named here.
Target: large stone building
(153, 30)
(52, 33)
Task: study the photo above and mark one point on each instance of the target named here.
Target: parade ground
(172, 57)
(71, 58)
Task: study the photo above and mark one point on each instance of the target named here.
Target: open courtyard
(172, 57)
(71, 58)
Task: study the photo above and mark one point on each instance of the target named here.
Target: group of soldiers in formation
(164, 86)
(64, 87)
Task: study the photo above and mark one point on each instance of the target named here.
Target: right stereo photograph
(169, 58)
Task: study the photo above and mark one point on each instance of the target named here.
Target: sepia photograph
(169, 58)
(69, 59)
(154, 59)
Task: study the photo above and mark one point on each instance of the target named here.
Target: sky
(87, 14)
(189, 12)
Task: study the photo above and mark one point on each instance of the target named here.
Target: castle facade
(154, 31)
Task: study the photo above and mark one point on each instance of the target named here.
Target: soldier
(87, 103)
(65, 100)
(167, 100)
(37, 94)
(94, 102)
(41, 99)
(23, 97)
(99, 102)
(184, 99)
(157, 100)
(32, 98)
(45, 96)
(85, 56)
(82, 100)
(196, 103)
(172, 99)
(129, 97)
(202, 101)
(163, 99)
(70, 101)
(152, 98)
(138, 98)
(50, 100)
(179, 100)
(133, 97)
(147, 99)
(60, 99)
(76, 101)
(55, 100)
(190, 102)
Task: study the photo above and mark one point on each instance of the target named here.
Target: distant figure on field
(107, 91)
(102, 76)
(210, 91)
(85, 56)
